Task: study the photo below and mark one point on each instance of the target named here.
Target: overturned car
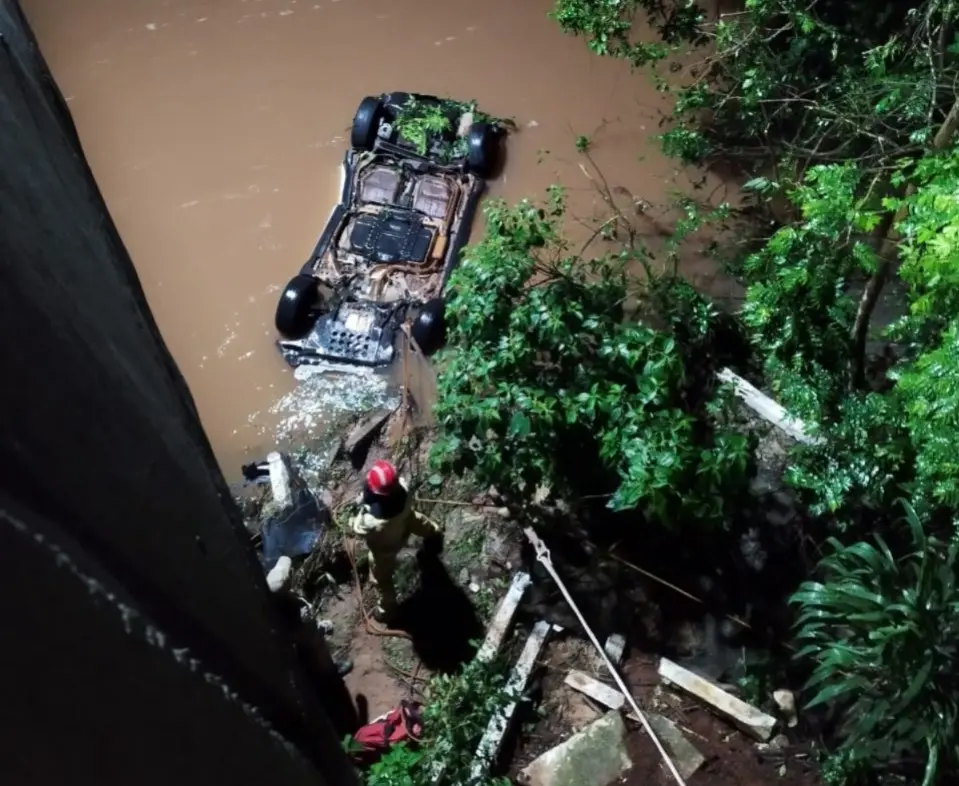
(412, 179)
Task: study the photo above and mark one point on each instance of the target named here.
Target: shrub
(883, 633)
(545, 383)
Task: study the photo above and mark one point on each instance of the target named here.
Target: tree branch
(887, 258)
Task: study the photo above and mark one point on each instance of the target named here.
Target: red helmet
(382, 477)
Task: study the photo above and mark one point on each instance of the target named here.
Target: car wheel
(366, 123)
(482, 142)
(298, 306)
(429, 327)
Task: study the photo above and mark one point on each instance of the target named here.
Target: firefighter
(386, 520)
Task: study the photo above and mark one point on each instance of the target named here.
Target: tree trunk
(887, 259)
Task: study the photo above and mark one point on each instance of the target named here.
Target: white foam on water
(322, 397)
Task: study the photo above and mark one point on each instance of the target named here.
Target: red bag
(402, 724)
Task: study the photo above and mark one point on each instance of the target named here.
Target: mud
(215, 130)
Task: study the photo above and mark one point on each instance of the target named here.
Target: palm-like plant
(882, 631)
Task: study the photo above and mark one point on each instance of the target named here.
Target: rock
(777, 744)
(358, 441)
(494, 495)
(474, 587)
(499, 549)
(752, 550)
(786, 702)
(279, 574)
(684, 754)
(615, 646)
(464, 576)
(596, 756)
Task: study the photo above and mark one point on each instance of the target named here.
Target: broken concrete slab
(280, 482)
(357, 444)
(684, 754)
(596, 756)
(503, 618)
(492, 740)
(749, 719)
(596, 690)
(766, 408)
(615, 647)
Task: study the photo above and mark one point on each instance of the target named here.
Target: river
(215, 130)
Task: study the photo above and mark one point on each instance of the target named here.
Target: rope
(542, 555)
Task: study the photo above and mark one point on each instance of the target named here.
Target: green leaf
(519, 425)
(834, 691)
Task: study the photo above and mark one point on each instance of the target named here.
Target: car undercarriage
(388, 248)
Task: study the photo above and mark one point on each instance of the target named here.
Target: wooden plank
(749, 719)
(493, 737)
(766, 408)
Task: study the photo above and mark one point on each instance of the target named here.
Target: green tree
(546, 383)
(842, 114)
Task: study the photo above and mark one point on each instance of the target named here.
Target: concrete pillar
(99, 439)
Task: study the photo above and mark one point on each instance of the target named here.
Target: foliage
(882, 632)
(398, 767)
(798, 306)
(545, 383)
(457, 711)
(928, 392)
(420, 122)
(429, 125)
(863, 460)
(787, 82)
(929, 249)
(842, 115)
(800, 314)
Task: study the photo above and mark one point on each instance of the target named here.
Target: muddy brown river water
(215, 130)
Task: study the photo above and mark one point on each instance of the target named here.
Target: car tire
(429, 327)
(298, 306)
(366, 123)
(482, 143)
